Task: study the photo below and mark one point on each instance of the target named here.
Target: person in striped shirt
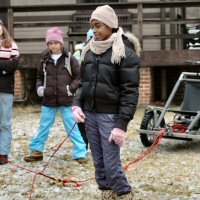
(9, 59)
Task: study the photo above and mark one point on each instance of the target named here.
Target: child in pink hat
(56, 84)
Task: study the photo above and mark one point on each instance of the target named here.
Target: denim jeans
(109, 173)
(6, 106)
(48, 116)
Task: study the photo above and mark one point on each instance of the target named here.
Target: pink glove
(118, 136)
(78, 114)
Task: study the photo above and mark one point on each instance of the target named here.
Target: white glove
(40, 91)
(68, 91)
(78, 114)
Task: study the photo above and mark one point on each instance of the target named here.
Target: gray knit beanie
(106, 15)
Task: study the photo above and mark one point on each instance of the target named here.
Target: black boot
(3, 159)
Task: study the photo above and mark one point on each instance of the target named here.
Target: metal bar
(189, 74)
(194, 121)
(172, 95)
(189, 135)
(192, 80)
(169, 100)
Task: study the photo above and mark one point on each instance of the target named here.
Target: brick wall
(145, 86)
(19, 91)
(150, 84)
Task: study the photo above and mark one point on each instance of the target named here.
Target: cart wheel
(148, 123)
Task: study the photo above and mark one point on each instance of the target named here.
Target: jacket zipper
(95, 82)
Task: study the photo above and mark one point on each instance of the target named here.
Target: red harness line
(179, 128)
(149, 150)
(78, 183)
(64, 181)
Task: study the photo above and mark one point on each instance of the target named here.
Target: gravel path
(171, 172)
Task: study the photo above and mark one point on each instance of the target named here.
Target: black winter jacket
(110, 88)
(57, 79)
(8, 64)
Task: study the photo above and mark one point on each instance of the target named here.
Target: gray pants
(109, 173)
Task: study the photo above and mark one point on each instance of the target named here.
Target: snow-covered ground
(171, 172)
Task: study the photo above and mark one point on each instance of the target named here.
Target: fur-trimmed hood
(134, 40)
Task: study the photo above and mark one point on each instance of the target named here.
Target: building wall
(146, 86)
(28, 47)
(20, 33)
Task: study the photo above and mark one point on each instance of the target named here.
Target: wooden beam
(168, 58)
(81, 37)
(33, 23)
(175, 21)
(181, 36)
(173, 58)
(23, 24)
(50, 23)
(92, 6)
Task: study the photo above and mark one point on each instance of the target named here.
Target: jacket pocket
(49, 92)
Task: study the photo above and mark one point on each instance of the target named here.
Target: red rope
(152, 147)
(66, 182)
(179, 128)
(41, 173)
(77, 183)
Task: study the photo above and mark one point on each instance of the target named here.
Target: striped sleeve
(14, 50)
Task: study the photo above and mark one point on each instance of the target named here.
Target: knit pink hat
(54, 34)
(106, 15)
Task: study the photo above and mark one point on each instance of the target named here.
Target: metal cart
(185, 124)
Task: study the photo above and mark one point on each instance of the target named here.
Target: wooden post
(183, 28)
(140, 23)
(163, 47)
(162, 28)
(3, 14)
(172, 28)
(10, 22)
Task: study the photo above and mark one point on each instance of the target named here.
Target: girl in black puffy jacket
(107, 97)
